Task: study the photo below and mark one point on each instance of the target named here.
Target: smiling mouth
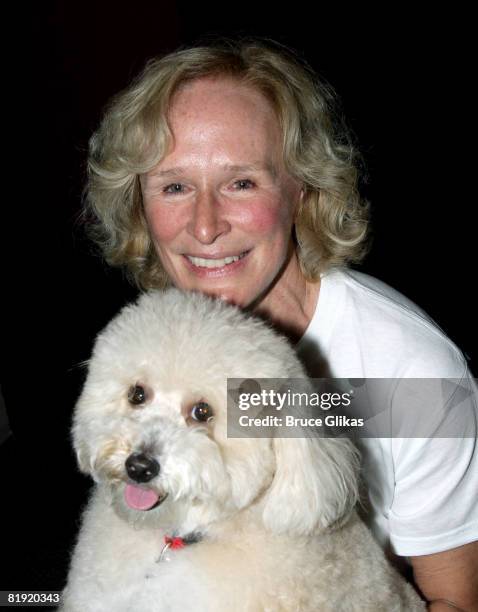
(201, 262)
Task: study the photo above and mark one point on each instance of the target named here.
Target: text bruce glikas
(277, 400)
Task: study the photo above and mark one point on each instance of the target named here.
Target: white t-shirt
(423, 492)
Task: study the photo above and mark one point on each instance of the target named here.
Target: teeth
(214, 263)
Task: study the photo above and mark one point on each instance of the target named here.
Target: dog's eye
(201, 412)
(137, 395)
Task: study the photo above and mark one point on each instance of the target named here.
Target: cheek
(266, 219)
(110, 458)
(164, 224)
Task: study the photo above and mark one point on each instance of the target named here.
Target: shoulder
(373, 296)
(380, 327)
(391, 327)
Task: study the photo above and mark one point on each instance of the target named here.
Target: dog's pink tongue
(140, 499)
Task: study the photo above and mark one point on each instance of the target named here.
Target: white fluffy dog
(182, 517)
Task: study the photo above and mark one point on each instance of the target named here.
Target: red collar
(174, 542)
(177, 542)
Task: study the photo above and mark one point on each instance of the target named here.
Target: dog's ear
(82, 457)
(82, 450)
(84, 433)
(315, 484)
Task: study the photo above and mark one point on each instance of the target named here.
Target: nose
(207, 222)
(141, 467)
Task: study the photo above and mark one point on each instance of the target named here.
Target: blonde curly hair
(134, 136)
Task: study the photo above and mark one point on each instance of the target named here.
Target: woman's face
(220, 206)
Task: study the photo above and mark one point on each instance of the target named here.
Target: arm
(450, 576)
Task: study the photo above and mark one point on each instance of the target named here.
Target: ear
(82, 458)
(82, 450)
(315, 484)
(83, 436)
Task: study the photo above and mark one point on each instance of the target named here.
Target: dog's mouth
(139, 498)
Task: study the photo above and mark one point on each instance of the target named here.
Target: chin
(183, 517)
(232, 294)
(231, 297)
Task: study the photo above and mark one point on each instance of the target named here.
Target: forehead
(207, 90)
(222, 103)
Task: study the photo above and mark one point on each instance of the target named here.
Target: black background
(402, 78)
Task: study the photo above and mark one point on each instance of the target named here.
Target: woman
(223, 169)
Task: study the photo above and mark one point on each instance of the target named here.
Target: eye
(137, 395)
(202, 412)
(173, 188)
(244, 184)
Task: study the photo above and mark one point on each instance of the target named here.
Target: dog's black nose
(141, 467)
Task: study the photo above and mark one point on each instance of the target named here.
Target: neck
(290, 304)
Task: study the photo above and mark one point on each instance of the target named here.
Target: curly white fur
(276, 516)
